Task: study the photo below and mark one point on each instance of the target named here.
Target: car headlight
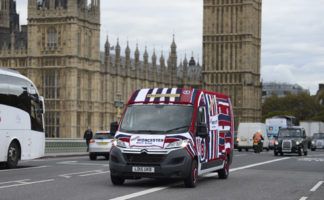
(276, 142)
(119, 143)
(177, 144)
(313, 142)
(297, 142)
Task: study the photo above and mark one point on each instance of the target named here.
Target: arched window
(52, 38)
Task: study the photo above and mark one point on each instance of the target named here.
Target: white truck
(312, 127)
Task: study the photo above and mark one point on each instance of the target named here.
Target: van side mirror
(113, 128)
(202, 130)
(42, 105)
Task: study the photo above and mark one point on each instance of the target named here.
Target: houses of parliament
(59, 50)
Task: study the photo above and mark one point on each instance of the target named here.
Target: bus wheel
(13, 155)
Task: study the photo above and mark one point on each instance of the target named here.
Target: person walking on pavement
(88, 136)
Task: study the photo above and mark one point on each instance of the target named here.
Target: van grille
(143, 159)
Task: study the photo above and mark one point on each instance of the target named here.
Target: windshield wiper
(177, 128)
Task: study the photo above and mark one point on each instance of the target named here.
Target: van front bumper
(174, 164)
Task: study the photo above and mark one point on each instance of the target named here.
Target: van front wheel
(191, 180)
(116, 180)
(223, 173)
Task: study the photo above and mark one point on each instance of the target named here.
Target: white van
(245, 135)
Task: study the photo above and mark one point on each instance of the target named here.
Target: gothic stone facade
(59, 51)
(231, 54)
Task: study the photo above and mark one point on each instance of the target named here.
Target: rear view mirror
(113, 128)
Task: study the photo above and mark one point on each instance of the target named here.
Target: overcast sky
(292, 34)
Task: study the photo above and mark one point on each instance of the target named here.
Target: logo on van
(186, 92)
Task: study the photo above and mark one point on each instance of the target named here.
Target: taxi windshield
(290, 133)
(157, 119)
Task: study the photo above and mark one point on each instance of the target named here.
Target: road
(252, 177)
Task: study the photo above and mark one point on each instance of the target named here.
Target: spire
(185, 61)
(127, 56)
(145, 56)
(107, 47)
(154, 58)
(162, 61)
(173, 45)
(137, 56)
(127, 50)
(117, 48)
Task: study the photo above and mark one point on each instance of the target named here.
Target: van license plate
(143, 169)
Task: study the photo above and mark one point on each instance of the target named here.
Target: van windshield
(157, 119)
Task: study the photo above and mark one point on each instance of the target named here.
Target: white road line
(141, 193)
(317, 186)
(85, 164)
(303, 198)
(26, 183)
(239, 155)
(258, 164)
(155, 189)
(78, 173)
(39, 167)
(18, 181)
(105, 172)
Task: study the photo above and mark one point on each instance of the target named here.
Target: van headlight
(276, 142)
(313, 142)
(297, 142)
(178, 144)
(119, 143)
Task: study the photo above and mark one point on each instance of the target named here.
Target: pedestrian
(88, 136)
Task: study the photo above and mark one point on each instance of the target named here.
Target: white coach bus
(22, 134)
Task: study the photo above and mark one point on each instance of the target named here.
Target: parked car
(100, 145)
(317, 141)
(245, 135)
(291, 140)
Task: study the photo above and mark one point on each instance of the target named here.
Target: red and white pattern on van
(225, 124)
(163, 95)
(211, 102)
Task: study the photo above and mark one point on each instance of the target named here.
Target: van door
(202, 142)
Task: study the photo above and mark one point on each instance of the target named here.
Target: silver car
(100, 145)
(317, 141)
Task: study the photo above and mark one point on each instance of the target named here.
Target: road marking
(141, 193)
(303, 198)
(239, 155)
(258, 164)
(155, 189)
(85, 164)
(311, 159)
(18, 181)
(80, 173)
(91, 174)
(39, 167)
(317, 186)
(23, 183)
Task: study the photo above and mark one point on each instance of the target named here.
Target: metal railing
(66, 145)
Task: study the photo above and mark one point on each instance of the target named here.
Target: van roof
(170, 96)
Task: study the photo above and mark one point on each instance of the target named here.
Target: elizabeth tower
(231, 54)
